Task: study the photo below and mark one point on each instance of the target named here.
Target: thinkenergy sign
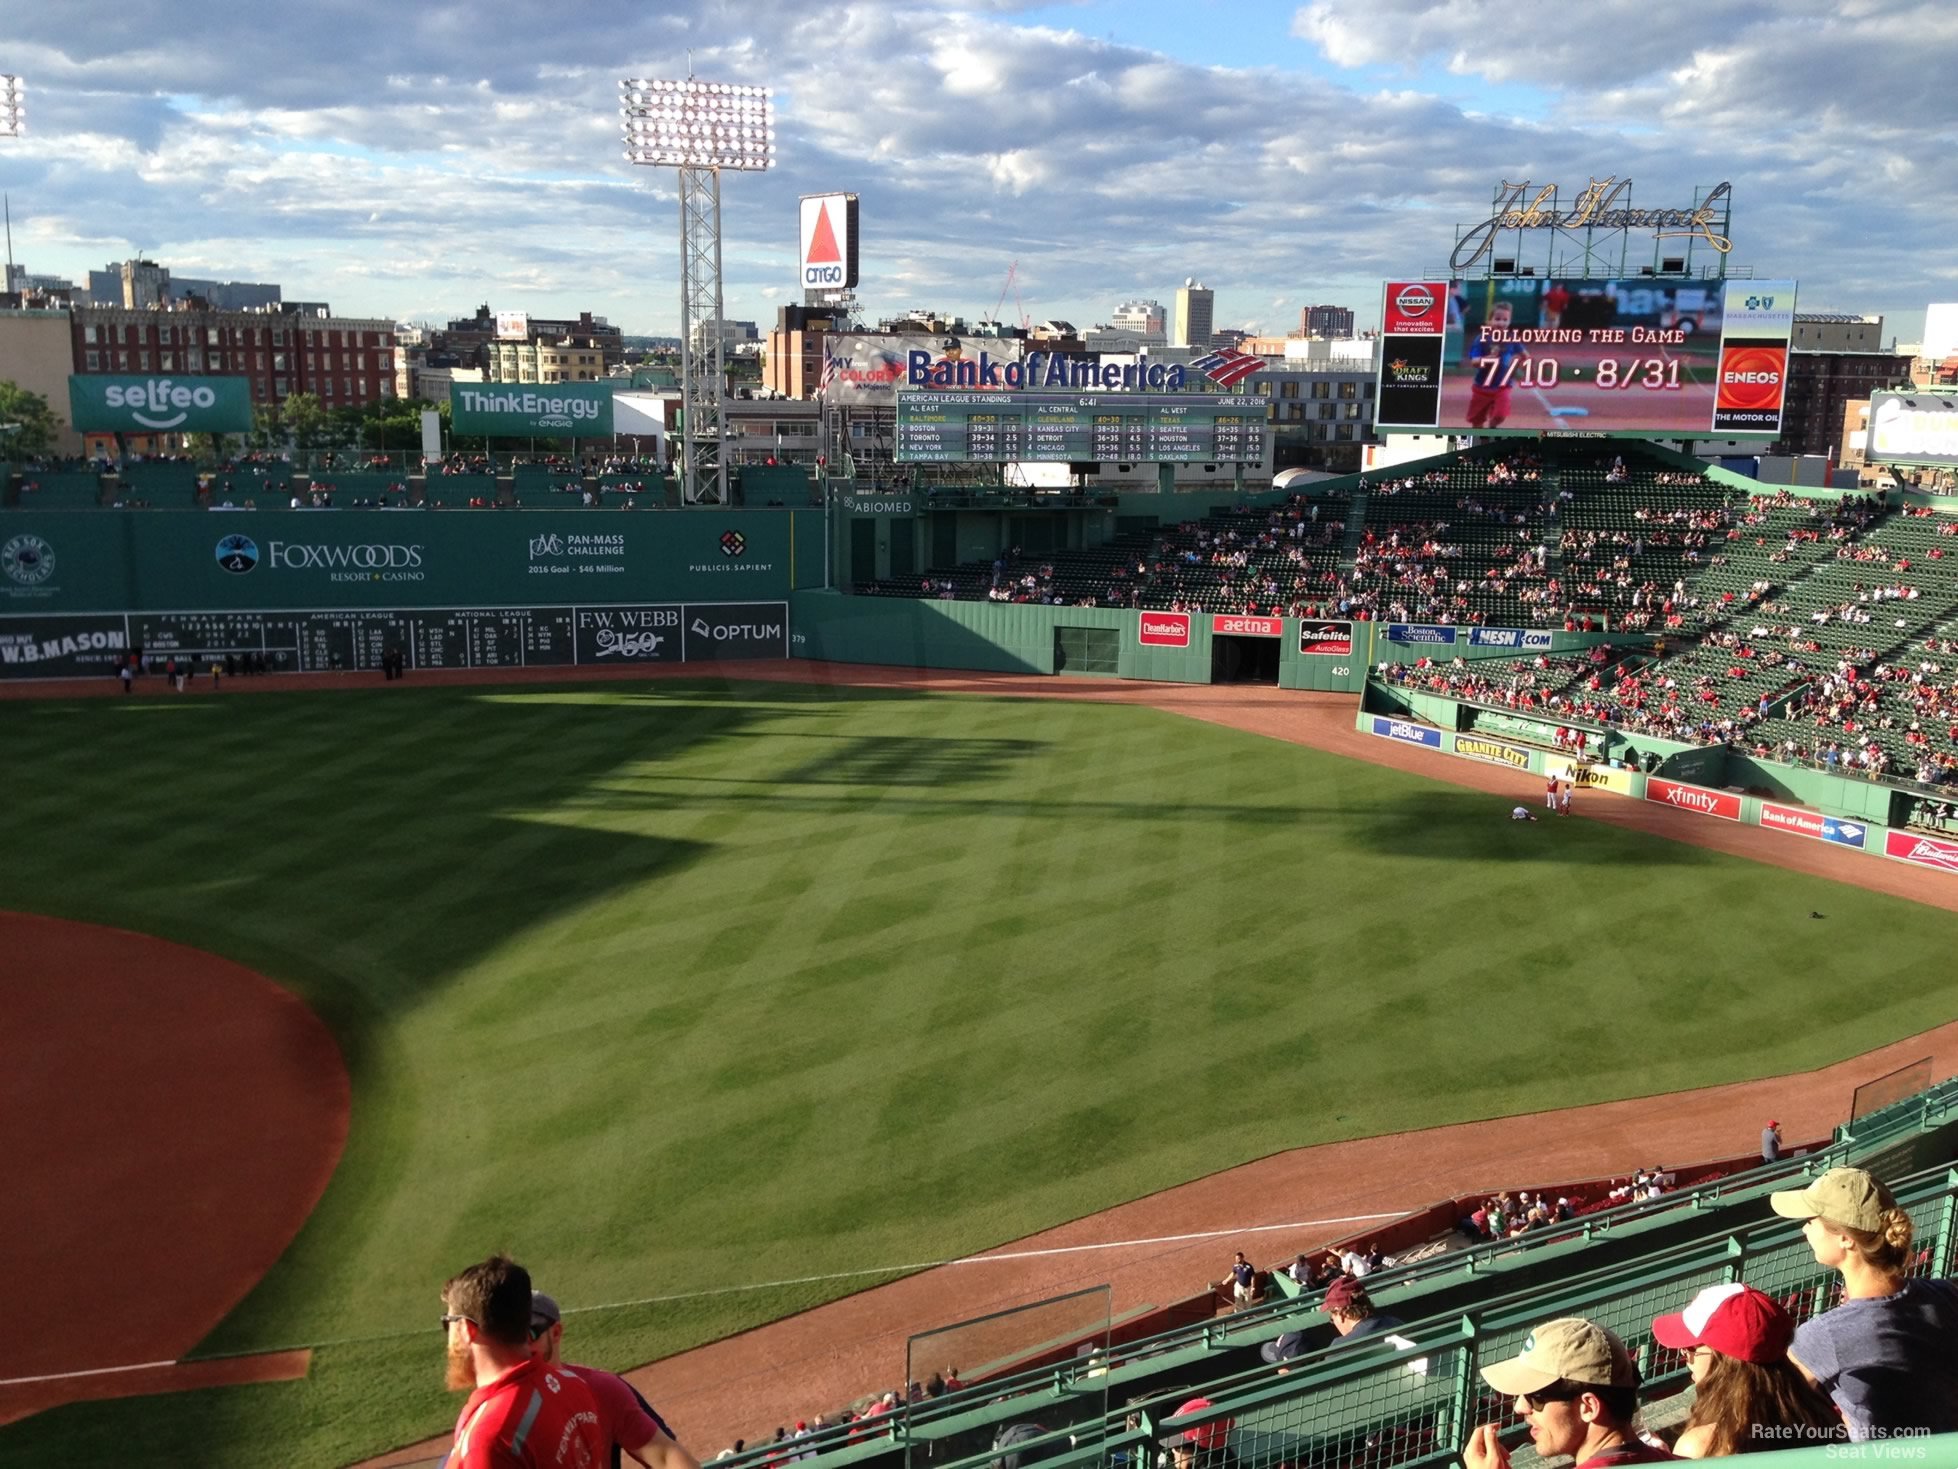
(520, 410)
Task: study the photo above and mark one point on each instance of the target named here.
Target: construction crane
(1011, 272)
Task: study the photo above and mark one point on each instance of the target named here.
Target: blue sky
(417, 161)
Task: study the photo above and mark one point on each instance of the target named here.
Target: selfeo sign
(100, 404)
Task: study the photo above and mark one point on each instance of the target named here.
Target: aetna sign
(1247, 627)
(1724, 804)
(1163, 629)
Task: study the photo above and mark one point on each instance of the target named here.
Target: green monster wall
(337, 589)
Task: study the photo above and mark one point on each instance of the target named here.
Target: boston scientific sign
(1603, 205)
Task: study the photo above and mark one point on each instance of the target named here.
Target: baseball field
(677, 987)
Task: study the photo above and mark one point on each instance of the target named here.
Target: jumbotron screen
(1534, 355)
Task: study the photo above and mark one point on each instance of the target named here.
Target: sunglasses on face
(450, 1318)
(1536, 1402)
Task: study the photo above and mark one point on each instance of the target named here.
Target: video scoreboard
(1129, 428)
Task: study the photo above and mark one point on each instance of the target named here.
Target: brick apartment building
(340, 360)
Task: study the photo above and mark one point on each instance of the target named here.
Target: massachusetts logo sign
(238, 554)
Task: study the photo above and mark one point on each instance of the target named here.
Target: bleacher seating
(59, 489)
(1413, 1400)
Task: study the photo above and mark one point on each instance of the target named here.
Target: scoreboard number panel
(1064, 428)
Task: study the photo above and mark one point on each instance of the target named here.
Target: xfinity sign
(828, 253)
(152, 405)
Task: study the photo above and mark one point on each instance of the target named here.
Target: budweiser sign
(1163, 630)
(1908, 846)
(1248, 627)
(1723, 804)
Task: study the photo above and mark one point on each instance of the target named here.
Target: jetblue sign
(1041, 370)
(1411, 734)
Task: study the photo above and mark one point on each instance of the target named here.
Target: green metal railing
(1066, 1396)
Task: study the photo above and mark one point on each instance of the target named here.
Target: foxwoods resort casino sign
(1041, 370)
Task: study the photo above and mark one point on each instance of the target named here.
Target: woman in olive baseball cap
(1888, 1353)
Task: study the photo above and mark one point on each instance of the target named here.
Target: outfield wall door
(863, 549)
(904, 546)
(1244, 660)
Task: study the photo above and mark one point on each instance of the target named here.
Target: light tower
(13, 93)
(699, 128)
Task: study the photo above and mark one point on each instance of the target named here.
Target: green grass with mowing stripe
(689, 986)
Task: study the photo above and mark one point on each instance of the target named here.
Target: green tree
(268, 434)
(306, 422)
(28, 427)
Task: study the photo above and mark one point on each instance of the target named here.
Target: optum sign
(160, 405)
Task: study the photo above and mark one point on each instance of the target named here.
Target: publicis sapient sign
(1601, 206)
(102, 404)
(520, 411)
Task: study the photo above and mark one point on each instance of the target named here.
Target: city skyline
(1286, 157)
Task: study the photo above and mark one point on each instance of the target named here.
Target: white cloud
(479, 158)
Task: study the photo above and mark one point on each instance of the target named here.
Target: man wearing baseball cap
(627, 1420)
(1747, 1394)
(1577, 1389)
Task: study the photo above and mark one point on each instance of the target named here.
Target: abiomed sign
(531, 411)
(101, 404)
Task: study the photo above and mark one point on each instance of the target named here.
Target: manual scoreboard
(1074, 428)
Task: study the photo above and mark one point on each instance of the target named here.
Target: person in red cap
(1748, 1396)
(1771, 1142)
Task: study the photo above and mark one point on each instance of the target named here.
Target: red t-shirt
(532, 1417)
(626, 1419)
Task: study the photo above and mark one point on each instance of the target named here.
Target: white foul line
(728, 1290)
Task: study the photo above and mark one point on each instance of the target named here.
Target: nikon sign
(160, 405)
(532, 411)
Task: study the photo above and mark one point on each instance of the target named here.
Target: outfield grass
(688, 986)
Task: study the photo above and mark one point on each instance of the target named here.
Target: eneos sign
(100, 404)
